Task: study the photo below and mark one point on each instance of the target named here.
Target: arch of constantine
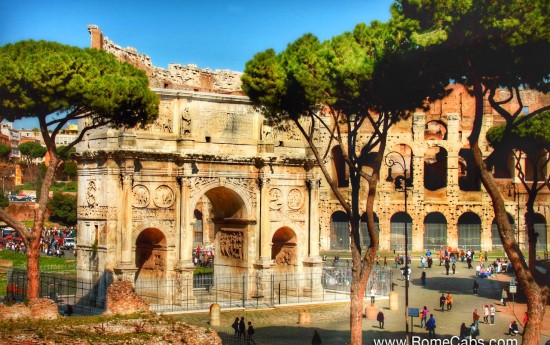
(209, 172)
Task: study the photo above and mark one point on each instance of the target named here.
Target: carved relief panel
(231, 244)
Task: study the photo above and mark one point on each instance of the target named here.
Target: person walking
(492, 312)
(380, 319)
(453, 267)
(316, 340)
(242, 328)
(372, 295)
(476, 286)
(442, 300)
(485, 314)
(430, 327)
(447, 266)
(424, 317)
(449, 301)
(235, 326)
(250, 334)
(423, 278)
(504, 297)
(464, 331)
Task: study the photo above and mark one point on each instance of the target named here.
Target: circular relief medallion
(141, 196)
(295, 199)
(164, 197)
(275, 196)
(91, 190)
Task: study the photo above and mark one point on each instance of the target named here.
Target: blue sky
(216, 34)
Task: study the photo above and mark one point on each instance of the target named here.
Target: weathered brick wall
(123, 300)
(180, 77)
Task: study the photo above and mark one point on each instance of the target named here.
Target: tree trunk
(33, 271)
(536, 295)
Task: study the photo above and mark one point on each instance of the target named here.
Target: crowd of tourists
(51, 241)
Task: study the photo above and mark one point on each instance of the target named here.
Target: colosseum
(210, 173)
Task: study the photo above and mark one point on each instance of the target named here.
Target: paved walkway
(280, 325)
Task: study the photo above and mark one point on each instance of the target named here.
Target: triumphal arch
(209, 163)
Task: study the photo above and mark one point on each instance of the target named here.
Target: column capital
(313, 184)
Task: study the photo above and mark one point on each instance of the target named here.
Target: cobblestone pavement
(280, 324)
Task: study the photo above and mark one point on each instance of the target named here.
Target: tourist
(464, 332)
(504, 297)
(430, 326)
(372, 294)
(69, 310)
(447, 266)
(476, 286)
(424, 317)
(442, 301)
(478, 270)
(485, 314)
(430, 262)
(423, 278)
(423, 262)
(242, 328)
(492, 311)
(475, 317)
(250, 333)
(449, 301)
(380, 319)
(486, 256)
(235, 326)
(453, 267)
(474, 330)
(513, 328)
(316, 340)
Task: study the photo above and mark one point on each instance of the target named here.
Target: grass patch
(47, 264)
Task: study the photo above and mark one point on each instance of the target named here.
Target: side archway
(283, 249)
(150, 255)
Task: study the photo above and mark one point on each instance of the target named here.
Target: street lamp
(390, 162)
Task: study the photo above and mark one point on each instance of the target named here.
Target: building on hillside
(210, 172)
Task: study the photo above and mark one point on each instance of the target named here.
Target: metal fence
(168, 296)
(84, 297)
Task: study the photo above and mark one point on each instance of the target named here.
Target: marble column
(313, 214)
(126, 267)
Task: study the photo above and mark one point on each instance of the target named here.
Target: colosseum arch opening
(397, 237)
(339, 231)
(435, 231)
(435, 168)
(435, 130)
(469, 231)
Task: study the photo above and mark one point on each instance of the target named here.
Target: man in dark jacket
(430, 326)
